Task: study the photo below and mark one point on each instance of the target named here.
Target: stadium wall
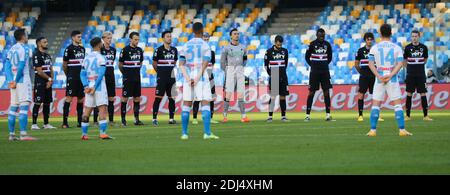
(344, 97)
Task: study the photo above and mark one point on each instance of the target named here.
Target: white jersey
(195, 52)
(94, 68)
(19, 55)
(92, 64)
(386, 55)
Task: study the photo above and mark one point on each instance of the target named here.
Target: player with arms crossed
(17, 68)
(194, 57)
(389, 59)
(93, 78)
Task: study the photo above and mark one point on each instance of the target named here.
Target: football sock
(46, 112)
(195, 108)
(171, 108)
(206, 116)
(156, 104)
(185, 119)
(12, 118)
(408, 105)
(424, 105)
(374, 115)
(399, 117)
(35, 113)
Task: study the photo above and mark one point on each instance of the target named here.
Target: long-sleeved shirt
(93, 71)
(233, 55)
(17, 66)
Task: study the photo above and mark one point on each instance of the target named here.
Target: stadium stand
(344, 22)
(12, 17)
(152, 18)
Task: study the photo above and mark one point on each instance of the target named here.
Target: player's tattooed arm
(52, 75)
(44, 76)
(37, 64)
(41, 73)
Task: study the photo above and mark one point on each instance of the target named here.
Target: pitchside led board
(344, 97)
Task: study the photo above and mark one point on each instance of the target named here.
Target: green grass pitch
(297, 147)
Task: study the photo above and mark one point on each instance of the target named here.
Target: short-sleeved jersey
(18, 55)
(74, 56)
(363, 57)
(132, 58)
(319, 55)
(166, 60)
(194, 53)
(415, 56)
(276, 60)
(43, 60)
(110, 56)
(386, 55)
(92, 64)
